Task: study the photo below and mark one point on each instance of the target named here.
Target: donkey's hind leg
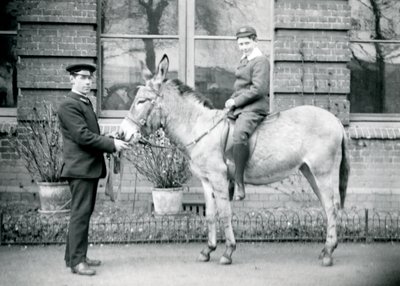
(211, 214)
(322, 185)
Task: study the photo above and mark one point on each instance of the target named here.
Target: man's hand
(121, 145)
(113, 134)
(230, 103)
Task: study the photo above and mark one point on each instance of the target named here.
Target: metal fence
(261, 225)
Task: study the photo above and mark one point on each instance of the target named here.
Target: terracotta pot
(54, 197)
(167, 201)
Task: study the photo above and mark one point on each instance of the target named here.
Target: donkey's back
(288, 139)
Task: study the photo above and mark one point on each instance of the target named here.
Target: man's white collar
(255, 53)
(80, 93)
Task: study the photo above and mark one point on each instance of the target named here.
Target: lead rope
(115, 159)
(115, 166)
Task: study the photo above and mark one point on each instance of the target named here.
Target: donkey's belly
(266, 172)
(266, 178)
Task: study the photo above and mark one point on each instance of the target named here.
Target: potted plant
(163, 164)
(38, 142)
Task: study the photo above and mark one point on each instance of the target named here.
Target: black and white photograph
(200, 142)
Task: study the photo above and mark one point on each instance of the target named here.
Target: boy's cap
(246, 31)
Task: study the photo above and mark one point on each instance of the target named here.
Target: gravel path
(175, 264)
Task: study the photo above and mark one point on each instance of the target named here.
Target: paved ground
(175, 264)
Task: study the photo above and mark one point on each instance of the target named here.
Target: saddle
(227, 141)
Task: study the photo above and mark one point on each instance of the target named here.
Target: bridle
(141, 123)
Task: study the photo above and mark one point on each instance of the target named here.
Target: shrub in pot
(38, 143)
(163, 164)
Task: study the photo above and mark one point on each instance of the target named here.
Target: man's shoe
(83, 269)
(93, 262)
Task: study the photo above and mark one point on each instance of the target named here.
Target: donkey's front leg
(225, 214)
(211, 222)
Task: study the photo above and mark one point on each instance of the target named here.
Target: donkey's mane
(186, 90)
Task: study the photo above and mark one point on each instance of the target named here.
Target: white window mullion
(190, 30)
(182, 14)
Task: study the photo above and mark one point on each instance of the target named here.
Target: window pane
(8, 71)
(122, 69)
(215, 65)
(365, 16)
(8, 14)
(223, 18)
(375, 78)
(144, 17)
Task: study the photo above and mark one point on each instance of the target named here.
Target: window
(215, 54)
(375, 62)
(134, 31)
(198, 36)
(8, 57)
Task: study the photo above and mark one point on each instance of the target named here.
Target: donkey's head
(145, 115)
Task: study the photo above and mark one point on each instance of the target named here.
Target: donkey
(305, 138)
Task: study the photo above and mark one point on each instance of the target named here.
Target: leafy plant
(161, 162)
(39, 144)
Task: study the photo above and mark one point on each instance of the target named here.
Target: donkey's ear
(146, 73)
(162, 70)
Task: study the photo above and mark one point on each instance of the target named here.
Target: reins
(116, 166)
(195, 141)
(145, 141)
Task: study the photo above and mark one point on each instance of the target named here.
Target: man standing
(83, 165)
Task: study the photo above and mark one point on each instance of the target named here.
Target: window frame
(186, 42)
(9, 112)
(374, 117)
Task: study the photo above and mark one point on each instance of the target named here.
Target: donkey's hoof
(322, 254)
(203, 257)
(327, 261)
(224, 260)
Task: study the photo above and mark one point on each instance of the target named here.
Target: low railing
(261, 225)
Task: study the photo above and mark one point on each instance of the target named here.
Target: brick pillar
(52, 35)
(311, 53)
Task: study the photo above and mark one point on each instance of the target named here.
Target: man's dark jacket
(83, 145)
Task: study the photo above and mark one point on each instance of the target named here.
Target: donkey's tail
(344, 171)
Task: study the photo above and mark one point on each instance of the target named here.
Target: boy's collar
(255, 53)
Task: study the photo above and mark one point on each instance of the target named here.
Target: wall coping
(382, 133)
(8, 125)
(354, 132)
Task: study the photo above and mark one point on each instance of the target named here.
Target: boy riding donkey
(249, 103)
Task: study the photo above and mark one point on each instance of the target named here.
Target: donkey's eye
(141, 101)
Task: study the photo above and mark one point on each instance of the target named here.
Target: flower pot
(54, 197)
(167, 201)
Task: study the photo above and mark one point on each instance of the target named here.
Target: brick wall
(52, 35)
(310, 54)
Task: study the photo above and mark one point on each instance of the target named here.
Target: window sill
(375, 118)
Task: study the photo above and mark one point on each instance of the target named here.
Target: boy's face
(246, 45)
(82, 81)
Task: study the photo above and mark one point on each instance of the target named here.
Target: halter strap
(141, 123)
